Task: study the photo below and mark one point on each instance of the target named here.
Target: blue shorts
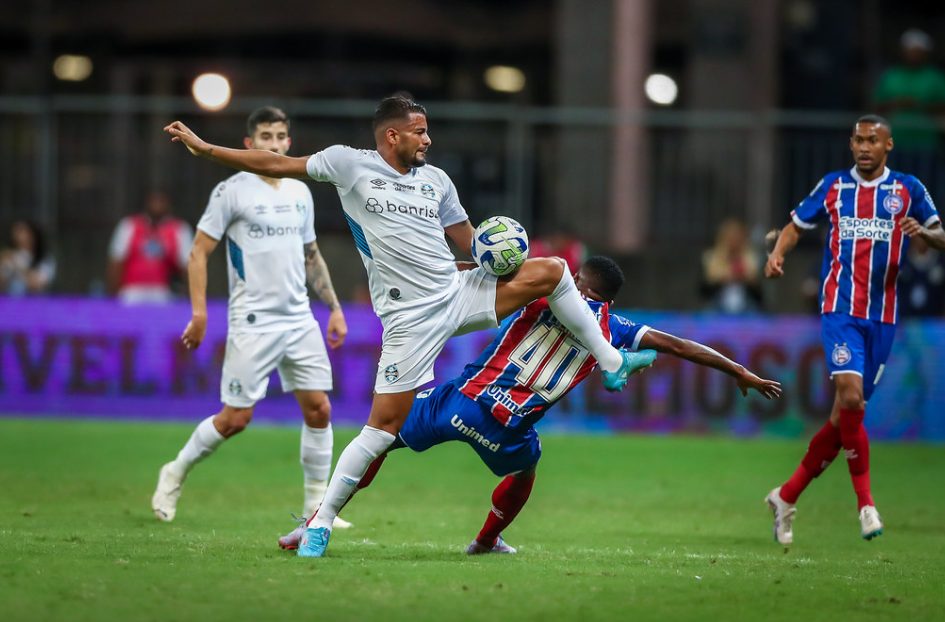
(444, 414)
(857, 346)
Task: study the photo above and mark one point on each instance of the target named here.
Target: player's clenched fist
(194, 333)
(911, 227)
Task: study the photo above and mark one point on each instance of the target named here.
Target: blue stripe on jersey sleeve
(359, 240)
(236, 258)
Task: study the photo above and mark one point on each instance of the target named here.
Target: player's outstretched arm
(316, 272)
(704, 355)
(196, 328)
(258, 161)
(787, 240)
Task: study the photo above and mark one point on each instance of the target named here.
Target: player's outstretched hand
(194, 333)
(769, 388)
(337, 329)
(180, 133)
(774, 268)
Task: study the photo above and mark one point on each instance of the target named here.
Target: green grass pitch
(634, 528)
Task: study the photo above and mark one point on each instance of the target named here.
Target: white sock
(572, 311)
(315, 455)
(352, 463)
(201, 444)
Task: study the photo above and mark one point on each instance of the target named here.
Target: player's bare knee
(233, 420)
(543, 275)
(850, 398)
(317, 415)
(528, 473)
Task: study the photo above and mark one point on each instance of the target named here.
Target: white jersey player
(400, 210)
(269, 228)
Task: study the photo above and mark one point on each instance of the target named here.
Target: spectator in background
(559, 243)
(731, 271)
(912, 96)
(147, 252)
(25, 265)
(922, 281)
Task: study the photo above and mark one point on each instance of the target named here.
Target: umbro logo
(378, 183)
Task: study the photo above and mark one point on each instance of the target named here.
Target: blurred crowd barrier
(77, 164)
(74, 357)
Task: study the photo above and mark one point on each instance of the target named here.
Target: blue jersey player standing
(872, 213)
(531, 364)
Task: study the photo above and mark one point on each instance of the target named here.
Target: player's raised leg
(204, 440)
(388, 413)
(548, 277)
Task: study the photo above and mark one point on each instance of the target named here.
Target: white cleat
(340, 523)
(783, 517)
(164, 501)
(870, 523)
(500, 546)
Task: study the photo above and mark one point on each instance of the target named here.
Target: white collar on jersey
(871, 183)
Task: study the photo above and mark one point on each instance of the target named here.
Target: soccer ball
(500, 245)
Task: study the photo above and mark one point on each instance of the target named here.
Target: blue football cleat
(314, 542)
(633, 362)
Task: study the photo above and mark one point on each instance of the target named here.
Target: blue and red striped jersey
(865, 243)
(534, 361)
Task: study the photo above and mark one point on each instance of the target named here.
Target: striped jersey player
(865, 245)
(871, 213)
(531, 364)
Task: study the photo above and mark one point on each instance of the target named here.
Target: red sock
(857, 447)
(508, 498)
(823, 448)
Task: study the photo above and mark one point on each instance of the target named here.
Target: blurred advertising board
(75, 357)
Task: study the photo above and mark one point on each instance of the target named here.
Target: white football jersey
(398, 224)
(265, 230)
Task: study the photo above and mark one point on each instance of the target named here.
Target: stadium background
(661, 523)
(766, 94)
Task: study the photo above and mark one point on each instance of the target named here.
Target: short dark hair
(874, 119)
(266, 114)
(607, 274)
(397, 106)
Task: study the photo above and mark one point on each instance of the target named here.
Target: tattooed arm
(316, 273)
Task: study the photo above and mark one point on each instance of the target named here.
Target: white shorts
(298, 354)
(414, 337)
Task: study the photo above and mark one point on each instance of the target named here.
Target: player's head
(599, 278)
(268, 128)
(400, 130)
(157, 204)
(916, 46)
(871, 143)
